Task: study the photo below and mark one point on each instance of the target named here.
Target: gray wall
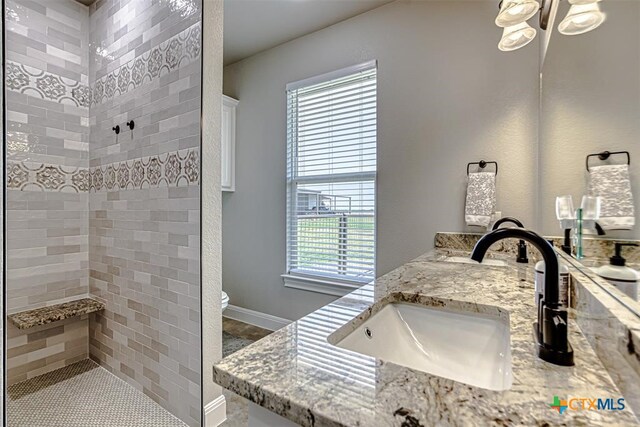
(590, 103)
(447, 96)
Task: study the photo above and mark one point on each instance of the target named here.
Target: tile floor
(243, 330)
(65, 397)
(83, 395)
(235, 336)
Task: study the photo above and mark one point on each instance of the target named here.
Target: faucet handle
(522, 253)
(553, 345)
(554, 328)
(559, 321)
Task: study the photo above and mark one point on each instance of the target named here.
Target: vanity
(437, 341)
(443, 340)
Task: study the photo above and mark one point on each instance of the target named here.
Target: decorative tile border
(27, 176)
(32, 81)
(183, 48)
(176, 169)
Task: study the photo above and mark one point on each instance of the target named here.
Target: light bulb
(581, 18)
(513, 12)
(516, 36)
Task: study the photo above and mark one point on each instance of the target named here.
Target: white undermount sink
(486, 261)
(466, 347)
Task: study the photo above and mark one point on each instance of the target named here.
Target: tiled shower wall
(47, 54)
(47, 151)
(92, 212)
(144, 208)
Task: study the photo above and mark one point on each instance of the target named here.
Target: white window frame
(318, 283)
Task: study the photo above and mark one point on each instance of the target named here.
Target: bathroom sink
(471, 348)
(465, 260)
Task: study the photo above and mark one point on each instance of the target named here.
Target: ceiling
(251, 26)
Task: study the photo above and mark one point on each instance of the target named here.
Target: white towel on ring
(481, 198)
(613, 184)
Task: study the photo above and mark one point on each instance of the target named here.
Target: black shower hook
(131, 124)
(606, 154)
(483, 164)
(116, 129)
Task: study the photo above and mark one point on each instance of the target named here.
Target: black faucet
(522, 246)
(550, 330)
(566, 246)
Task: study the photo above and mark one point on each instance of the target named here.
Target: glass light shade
(513, 12)
(516, 37)
(590, 207)
(581, 18)
(564, 208)
(583, 1)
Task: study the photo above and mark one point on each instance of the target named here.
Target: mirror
(590, 103)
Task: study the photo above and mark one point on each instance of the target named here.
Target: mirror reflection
(589, 128)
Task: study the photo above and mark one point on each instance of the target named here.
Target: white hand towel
(613, 185)
(481, 198)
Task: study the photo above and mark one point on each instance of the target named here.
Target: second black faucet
(522, 246)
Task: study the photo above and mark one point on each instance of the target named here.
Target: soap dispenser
(617, 273)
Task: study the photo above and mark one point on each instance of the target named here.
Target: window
(331, 171)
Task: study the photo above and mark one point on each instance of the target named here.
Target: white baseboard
(255, 318)
(215, 412)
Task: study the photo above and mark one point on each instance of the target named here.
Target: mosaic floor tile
(83, 395)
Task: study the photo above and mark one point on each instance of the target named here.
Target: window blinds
(331, 167)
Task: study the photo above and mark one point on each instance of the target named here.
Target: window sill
(320, 285)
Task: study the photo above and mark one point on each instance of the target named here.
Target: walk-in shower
(102, 301)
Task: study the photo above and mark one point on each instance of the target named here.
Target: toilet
(225, 300)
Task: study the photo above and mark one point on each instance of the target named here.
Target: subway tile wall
(41, 349)
(47, 143)
(144, 197)
(92, 212)
(47, 48)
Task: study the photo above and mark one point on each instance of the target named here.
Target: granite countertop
(41, 316)
(297, 374)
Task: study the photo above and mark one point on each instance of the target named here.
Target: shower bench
(44, 339)
(53, 313)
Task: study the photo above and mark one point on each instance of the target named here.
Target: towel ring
(483, 164)
(605, 155)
